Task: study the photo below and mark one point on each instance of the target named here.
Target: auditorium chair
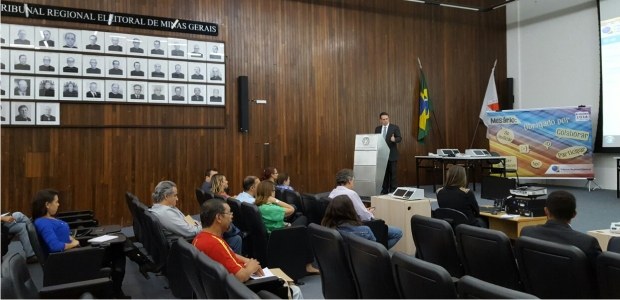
(314, 206)
(614, 244)
(418, 279)
(201, 197)
(608, 274)
(452, 216)
(435, 243)
(137, 227)
(293, 198)
(178, 276)
(473, 288)
(379, 230)
(239, 221)
(487, 255)
(238, 290)
(188, 254)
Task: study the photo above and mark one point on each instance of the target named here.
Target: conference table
(435, 162)
(511, 225)
(603, 236)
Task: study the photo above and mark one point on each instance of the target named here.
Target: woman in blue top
(340, 215)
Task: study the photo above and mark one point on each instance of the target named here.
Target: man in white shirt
(249, 189)
(345, 181)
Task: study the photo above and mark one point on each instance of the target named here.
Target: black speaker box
(525, 206)
(510, 101)
(244, 103)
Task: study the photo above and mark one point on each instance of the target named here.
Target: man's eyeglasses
(228, 213)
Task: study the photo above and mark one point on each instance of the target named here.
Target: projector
(407, 193)
(477, 152)
(615, 227)
(448, 152)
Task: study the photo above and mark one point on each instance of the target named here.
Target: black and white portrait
(46, 63)
(178, 93)
(48, 113)
(197, 72)
(70, 64)
(70, 39)
(177, 70)
(93, 90)
(157, 46)
(46, 88)
(22, 36)
(4, 35)
(196, 50)
(70, 89)
(115, 43)
(22, 61)
(93, 66)
(137, 68)
(158, 92)
(116, 66)
(136, 45)
(22, 87)
(215, 52)
(197, 94)
(158, 69)
(216, 95)
(5, 83)
(46, 37)
(93, 41)
(137, 91)
(216, 73)
(5, 60)
(23, 113)
(177, 48)
(5, 112)
(116, 90)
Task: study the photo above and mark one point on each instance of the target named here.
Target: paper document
(103, 238)
(4, 214)
(507, 216)
(267, 273)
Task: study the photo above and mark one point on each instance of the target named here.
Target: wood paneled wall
(327, 69)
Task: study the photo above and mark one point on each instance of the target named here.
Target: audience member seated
(345, 182)
(273, 212)
(216, 218)
(269, 174)
(206, 185)
(560, 209)
(15, 224)
(283, 182)
(219, 186)
(455, 194)
(176, 224)
(341, 216)
(250, 183)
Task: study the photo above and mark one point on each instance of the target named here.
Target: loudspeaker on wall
(244, 102)
(510, 101)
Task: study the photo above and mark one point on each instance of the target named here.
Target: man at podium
(391, 134)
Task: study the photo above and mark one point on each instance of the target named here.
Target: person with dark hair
(23, 63)
(341, 216)
(116, 70)
(269, 174)
(391, 134)
(156, 48)
(23, 114)
(70, 89)
(283, 182)
(250, 184)
(560, 209)
(136, 69)
(47, 90)
(219, 186)
(455, 194)
(206, 185)
(345, 182)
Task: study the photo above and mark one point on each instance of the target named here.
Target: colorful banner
(548, 142)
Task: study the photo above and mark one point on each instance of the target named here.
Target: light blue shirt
(245, 197)
(360, 209)
(173, 221)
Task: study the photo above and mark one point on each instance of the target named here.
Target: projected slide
(610, 69)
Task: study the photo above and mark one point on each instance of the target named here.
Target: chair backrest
(137, 228)
(14, 268)
(473, 288)
(235, 208)
(289, 249)
(487, 255)
(434, 241)
(608, 274)
(452, 216)
(257, 232)
(552, 270)
(213, 277)
(33, 236)
(614, 244)
(158, 246)
(238, 290)
(372, 268)
(7, 290)
(332, 256)
(188, 254)
(418, 279)
(178, 276)
(293, 198)
(279, 195)
(321, 207)
(379, 229)
(201, 197)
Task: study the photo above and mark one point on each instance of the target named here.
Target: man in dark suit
(46, 66)
(197, 96)
(47, 114)
(93, 67)
(136, 46)
(21, 38)
(23, 114)
(136, 69)
(158, 72)
(177, 51)
(157, 95)
(115, 46)
(115, 93)
(115, 68)
(197, 74)
(137, 92)
(22, 88)
(156, 48)
(70, 67)
(47, 90)
(46, 41)
(216, 96)
(93, 43)
(70, 40)
(178, 94)
(391, 134)
(177, 72)
(92, 91)
(23, 63)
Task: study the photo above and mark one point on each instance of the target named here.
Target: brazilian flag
(425, 110)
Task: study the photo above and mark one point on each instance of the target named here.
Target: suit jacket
(20, 118)
(216, 78)
(70, 94)
(133, 96)
(197, 76)
(21, 42)
(157, 51)
(26, 92)
(215, 99)
(93, 47)
(22, 67)
(115, 48)
(93, 71)
(46, 68)
(178, 75)
(47, 92)
(137, 73)
(158, 74)
(136, 50)
(392, 129)
(116, 71)
(48, 118)
(70, 69)
(158, 97)
(178, 98)
(90, 94)
(177, 53)
(67, 46)
(117, 95)
(50, 43)
(198, 98)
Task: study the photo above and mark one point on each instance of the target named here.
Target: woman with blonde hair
(219, 186)
(455, 194)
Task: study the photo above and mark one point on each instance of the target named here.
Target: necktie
(384, 131)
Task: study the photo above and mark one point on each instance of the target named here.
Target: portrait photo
(158, 69)
(115, 43)
(22, 61)
(46, 37)
(215, 52)
(21, 35)
(196, 72)
(48, 113)
(46, 63)
(197, 50)
(158, 92)
(46, 88)
(22, 87)
(5, 83)
(93, 65)
(216, 73)
(70, 89)
(5, 60)
(5, 112)
(136, 45)
(93, 90)
(197, 94)
(70, 64)
(5, 35)
(137, 67)
(93, 41)
(177, 70)
(23, 113)
(216, 95)
(177, 48)
(69, 39)
(178, 93)
(137, 91)
(115, 90)
(116, 66)
(157, 46)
